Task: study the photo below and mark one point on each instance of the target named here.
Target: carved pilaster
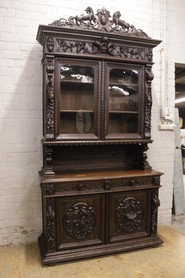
(155, 205)
(148, 101)
(47, 153)
(50, 224)
(50, 99)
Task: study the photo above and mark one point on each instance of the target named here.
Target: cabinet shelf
(76, 82)
(76, 111)
(123, 112)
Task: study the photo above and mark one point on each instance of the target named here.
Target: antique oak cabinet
(99, 193)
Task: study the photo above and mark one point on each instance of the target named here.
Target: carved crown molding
(101, 21)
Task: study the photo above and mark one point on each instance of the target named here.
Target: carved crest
(101, 21)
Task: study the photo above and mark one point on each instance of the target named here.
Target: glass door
(124, 101)
(78, 102)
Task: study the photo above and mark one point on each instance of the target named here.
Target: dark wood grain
(99, 193)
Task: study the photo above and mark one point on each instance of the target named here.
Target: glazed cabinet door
(129, 215)
(124, 97)
(78, 99)
(80, 221)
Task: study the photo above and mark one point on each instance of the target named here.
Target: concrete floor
(178, 223)
(165, 261)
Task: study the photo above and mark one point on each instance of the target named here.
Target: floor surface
(165, 261)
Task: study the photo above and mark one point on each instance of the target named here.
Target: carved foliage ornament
(128, 215)
(79, 221)
(101, 21)
(104, 46)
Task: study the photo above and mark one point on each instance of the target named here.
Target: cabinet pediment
(101, 21)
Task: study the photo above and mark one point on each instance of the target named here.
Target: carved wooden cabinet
(99, 193)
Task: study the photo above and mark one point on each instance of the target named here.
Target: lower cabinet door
(80, 221)
(129, 215)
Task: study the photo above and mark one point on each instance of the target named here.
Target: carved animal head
(89, 10)
(117, 15)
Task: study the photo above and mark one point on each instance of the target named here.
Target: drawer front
(129, 215)
(98, 186)
(80, 221)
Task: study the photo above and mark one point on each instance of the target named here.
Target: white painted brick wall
(21, 103)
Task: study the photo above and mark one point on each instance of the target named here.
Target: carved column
(148, 100)
(49, 98)
(47, 153)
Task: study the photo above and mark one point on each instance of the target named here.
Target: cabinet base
(51, 258)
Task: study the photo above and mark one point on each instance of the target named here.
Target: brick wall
(21, 105)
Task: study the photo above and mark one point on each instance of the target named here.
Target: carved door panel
(80, 221)
(129, 215)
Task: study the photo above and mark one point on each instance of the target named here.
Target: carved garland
(101, 21)
(50, 222)
(79, 221)
(128, 215)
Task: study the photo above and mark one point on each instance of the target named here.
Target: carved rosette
(50, 224)
(148, 101)
(128, 215)
(50, 101)
(101, 21)
(155, 205)
(79, 221)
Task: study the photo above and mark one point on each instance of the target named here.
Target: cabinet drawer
(129, 215)
(80, 221)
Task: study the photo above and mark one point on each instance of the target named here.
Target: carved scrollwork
(128, 215)
(49, 124)
(155, 205)
(101, 21)
(50, 222)
(79, 221)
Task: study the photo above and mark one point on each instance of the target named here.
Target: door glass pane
(76, 99)
(123, 101)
